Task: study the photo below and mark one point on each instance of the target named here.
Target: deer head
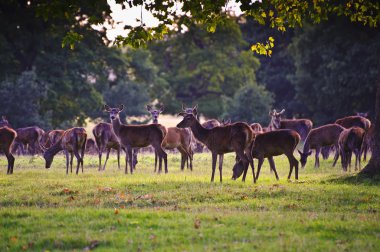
(114, 112)
(276, 118)
(237, 170)
(188, 117)
(190, 110)
(304, 156)
(365, 115)
(226, 122)
(155, 113)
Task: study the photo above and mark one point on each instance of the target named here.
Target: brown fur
(325, 135)
(106, 139)
(7, 137)
(90, 146)
(368, 141)
(351, 140)
(222, 139)
(132, 136)
(354, 121)
(29, 138)
(257, 128)
(72, 142)
(274, 143)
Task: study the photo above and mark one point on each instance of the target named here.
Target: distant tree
(337, 63)
(250, 104)
(20, 100)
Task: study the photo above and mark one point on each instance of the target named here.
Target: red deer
(354, 121)
(325, 135)
(350, 140)
(301, 126)
(222, 139)
(256, 127)
(132, 136)
(368, 141)
(106, 139)
(73, 142)
(29, 138)
(90, 146)
(7, 137)
(270, 144)
(175, 138)
(51, 137)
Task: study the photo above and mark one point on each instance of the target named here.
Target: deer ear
(228, 121)
(195, 112)
(282, 111)
(121, 107)
(181, 114)
(149, 108)
(183, 107)
(106, 108)
(162, 108)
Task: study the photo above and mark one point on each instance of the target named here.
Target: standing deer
(29, 138)
(176, 138)
(351, 140)
(222, 139)
(270, 144)
(73, 142)
(301, 126)
(354, 121)
(106, 139)
(7, 137)
(319, 137)
(132, 136)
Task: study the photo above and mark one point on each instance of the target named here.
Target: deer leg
(67, 162)
(294, 162)
(118, 158)
(78, 160)
(100, 151)
(82, 153)
(221, 156)
(107, 156)
(191, 158)
(336, 157)
(214, 156)
(349, 160)
(11, 161)
(273, 166)
(130, 159)
(71, 162)
(135, 152)
(317, 150)
(155, 160)
(183, 158)
(260, 163)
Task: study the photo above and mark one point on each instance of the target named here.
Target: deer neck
(272, 126)
(116, 125)
(306, 146)
(200, 132)
(55, 148)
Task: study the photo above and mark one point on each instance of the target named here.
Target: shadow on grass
(355, 179)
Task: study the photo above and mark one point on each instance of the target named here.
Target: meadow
(45, 210)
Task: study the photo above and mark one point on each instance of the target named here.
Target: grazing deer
(301, 126)
(106, 139)
(73, 142)
(368, 141)
(351, 140)
(325, 135)
(256, 127)
(270, 144)
(7, 137)
(175, 138)
(132, 136)
(29, 138)
(354, 121)
(222, 139)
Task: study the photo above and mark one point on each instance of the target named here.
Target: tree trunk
(372, 169)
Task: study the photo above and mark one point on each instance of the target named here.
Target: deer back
(74, 139)
(354, 121)
(141, 135)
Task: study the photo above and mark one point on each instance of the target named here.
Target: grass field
(45, 210)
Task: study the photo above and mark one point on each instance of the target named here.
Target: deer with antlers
(301, 126)
(137, 136)
(219, 140)
(106, 139)
(73, 142)
(176, 138)
(7, 137)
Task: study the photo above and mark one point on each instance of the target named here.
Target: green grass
(326, 210)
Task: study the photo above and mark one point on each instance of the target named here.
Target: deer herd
(352, 134)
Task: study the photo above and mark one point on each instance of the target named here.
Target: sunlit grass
(44, 209)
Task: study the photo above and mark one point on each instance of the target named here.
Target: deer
(351, 140)
(73, 142)
(325, 135)
(106, 139)
(368, 141)
(301, 126)
(256, 127)
(90, 146)
(270, 144)
(4, 122)
(176, 138)
(235, 137)
(137, 136)
(7, 137)
(352, 121)
(29, 138)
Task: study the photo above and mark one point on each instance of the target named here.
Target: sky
(128, 16)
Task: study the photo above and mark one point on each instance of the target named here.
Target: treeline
(321, 72)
